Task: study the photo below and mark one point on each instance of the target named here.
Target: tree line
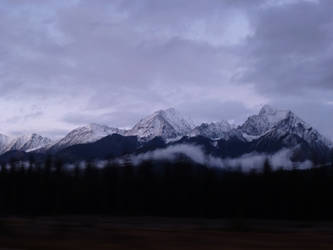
(162, 188)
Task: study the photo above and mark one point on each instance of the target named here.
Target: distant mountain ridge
(24, 143)
(90, 133)
(268, 131)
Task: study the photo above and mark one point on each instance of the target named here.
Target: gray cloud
(115, 61)
(291, 48)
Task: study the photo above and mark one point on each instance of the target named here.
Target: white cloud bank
(247, 162)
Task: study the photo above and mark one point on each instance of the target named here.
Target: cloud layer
(246, 163)
(67, 63)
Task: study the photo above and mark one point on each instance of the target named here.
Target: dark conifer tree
(267, 169)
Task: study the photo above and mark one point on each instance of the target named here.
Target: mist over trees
(164, 188)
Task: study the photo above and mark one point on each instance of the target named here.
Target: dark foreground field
(161, 233)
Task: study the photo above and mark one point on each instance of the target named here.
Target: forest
(162, 188)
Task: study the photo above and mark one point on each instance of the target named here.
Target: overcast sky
(67, 63)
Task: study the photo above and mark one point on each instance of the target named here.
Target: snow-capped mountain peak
(90, 133)
(257, 125)
(213, 130)
(176, 120)
(165, 123)
(267, 110)
(268, 131)
(293, 125)
(28, 142)
(272, 114)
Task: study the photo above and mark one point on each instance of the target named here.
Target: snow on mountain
(256, 125)
(4, 141)
(268, 131)
(213, 130)
(28, 142)
(281, 125)
(34, 142)
(293, 125)
(165, 123)
(91, 133)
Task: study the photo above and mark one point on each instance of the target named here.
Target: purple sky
(65, 63)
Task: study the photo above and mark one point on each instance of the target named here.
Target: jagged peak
(167, 111)
(29, 136)
(293, 120)
(274, 114)
(27, 142)
(268, 117)
(294, 125)
(92, 127)
(86, 134)
(214, 130)
(168, 123)
(268, 110)
(221, 124)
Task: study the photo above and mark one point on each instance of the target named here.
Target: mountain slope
(111, 146)
(268, 132)
(91, 133)
(167, 124)
(213, 130)
(4, 142)
(28, 143)
(256, 125)
(293, 132)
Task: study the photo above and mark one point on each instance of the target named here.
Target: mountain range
(268, 131)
